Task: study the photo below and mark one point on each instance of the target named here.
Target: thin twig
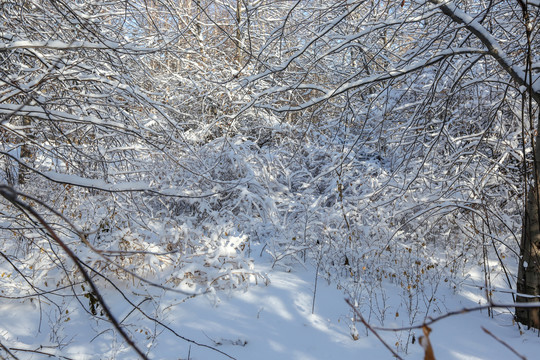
(369, 327)
(8, 352)
(504, 343)
(431, 320)
(41, 353)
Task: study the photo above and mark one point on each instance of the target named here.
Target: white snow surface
(269, 322)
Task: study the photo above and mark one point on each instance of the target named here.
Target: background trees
(382, 140)
(445, 95)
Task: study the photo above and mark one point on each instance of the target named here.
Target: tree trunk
(238, 40)
(26, 153)
(528, 282)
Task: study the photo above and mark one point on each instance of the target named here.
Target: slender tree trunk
(238, 40)
(528, 282)
(26, 153)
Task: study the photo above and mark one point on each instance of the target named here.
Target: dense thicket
(163, 141)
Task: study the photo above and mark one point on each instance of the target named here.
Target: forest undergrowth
(349, 211)
(164, 155)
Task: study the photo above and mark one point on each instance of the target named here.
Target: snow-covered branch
(492, 44)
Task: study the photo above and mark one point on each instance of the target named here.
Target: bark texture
(528, 282)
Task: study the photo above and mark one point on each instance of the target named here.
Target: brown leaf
(426, 344)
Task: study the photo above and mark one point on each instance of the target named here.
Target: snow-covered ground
(273, 321)
(276, 322)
